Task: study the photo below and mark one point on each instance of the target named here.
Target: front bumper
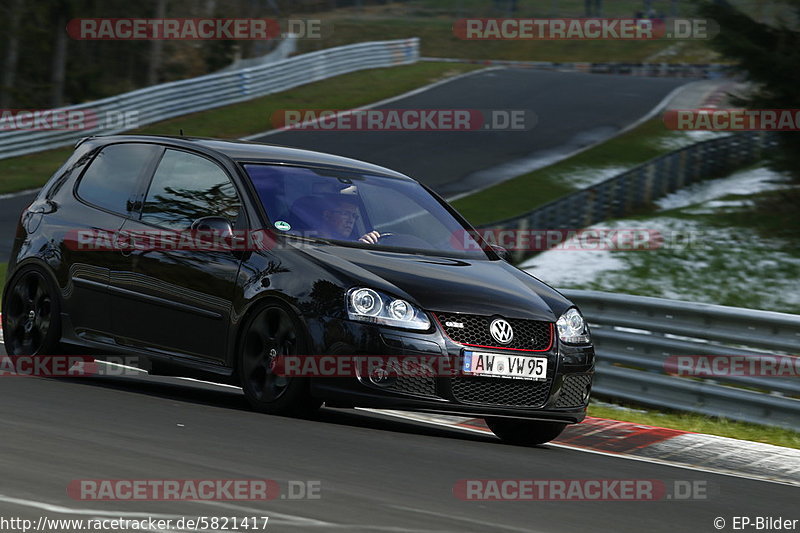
(562, 397)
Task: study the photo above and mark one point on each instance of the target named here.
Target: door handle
(122, 242)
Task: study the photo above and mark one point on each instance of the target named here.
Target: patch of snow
(715, 206)
(745, 182)
(695, 262)
(562, 268)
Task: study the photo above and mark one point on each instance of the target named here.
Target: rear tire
(524, 432)
(31, 314)
(270, 332)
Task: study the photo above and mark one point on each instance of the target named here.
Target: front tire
(31, 314)
(524, 432)
(271, 332)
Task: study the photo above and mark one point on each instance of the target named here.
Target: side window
(113, 176)
(187, 187)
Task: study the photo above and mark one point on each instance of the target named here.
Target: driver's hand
(370, 238)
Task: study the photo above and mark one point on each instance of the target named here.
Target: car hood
(436, 283)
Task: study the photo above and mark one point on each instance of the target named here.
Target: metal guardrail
(634, 336)
(640, 186)
(168, 100)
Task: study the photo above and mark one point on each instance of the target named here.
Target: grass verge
(247, 118)
(700, 424)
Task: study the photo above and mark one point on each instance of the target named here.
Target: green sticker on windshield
(283, 226)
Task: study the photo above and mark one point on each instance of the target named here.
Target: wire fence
(640, 186)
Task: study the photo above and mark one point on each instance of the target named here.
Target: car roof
(254, 152)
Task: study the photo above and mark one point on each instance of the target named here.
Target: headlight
(368, 305)
(366, 302)
(572, 328)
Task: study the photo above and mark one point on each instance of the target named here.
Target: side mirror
(219, 225)
(504, 254)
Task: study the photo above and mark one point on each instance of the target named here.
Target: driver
(339, 218)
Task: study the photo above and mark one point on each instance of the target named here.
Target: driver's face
(342, 219)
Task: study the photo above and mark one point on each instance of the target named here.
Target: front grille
(500, 391)
(528, 334)
(418, 386)
(572, 390)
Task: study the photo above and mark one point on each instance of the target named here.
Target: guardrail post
(650, 177)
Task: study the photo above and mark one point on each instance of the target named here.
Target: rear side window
(187, 187)
(113, 176)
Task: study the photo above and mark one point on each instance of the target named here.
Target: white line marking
(608, 454)
(53, 508)
(287, 519)
(493, 526)
(227, 386)
(18, 193)
(117, 365)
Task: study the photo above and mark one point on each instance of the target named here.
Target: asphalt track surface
(374, 473)
(572, 111)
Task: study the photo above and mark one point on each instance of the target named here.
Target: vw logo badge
(501, 331)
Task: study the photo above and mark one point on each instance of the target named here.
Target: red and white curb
(674, 447)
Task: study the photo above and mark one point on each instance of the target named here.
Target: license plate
(505, 365)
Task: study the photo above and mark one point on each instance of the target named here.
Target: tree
(11, 59)
(156, 47)
(59, 59)
(769, 56)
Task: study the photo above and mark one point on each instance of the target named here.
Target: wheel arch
(256, 305)
(37, 264)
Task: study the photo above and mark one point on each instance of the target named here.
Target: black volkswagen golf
(303, 256)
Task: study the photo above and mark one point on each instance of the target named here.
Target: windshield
(359, 210)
